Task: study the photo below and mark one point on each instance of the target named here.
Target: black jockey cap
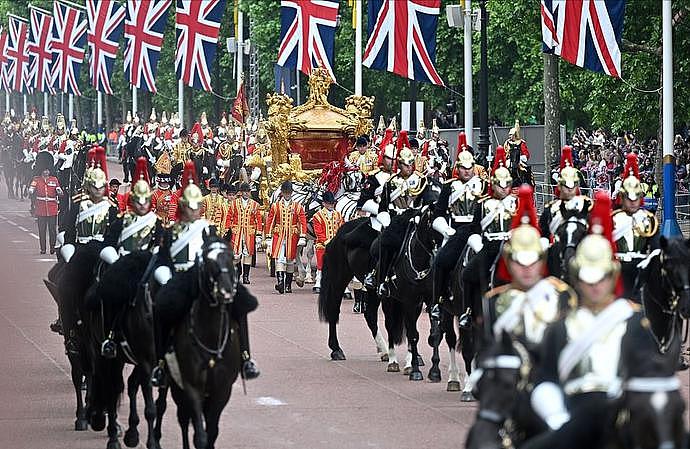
(328, 197)
(164, 177)
(244, 187)
(362, 141)
(213, 182)
(115, 182)
(232, 189)
(184, 133)
(414, 143)
(286, 187)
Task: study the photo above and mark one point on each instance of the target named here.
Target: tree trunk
(552, 107)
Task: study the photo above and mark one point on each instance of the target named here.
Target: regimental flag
(240, 107)
(69, 39)
(197, 26)
(40, 51)
(3, 60)
(307, 34)
(402, 38)
(106, 24)
(144, 35)
(17, 54)
(584, 33)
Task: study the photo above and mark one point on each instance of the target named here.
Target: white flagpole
(240, 48)
(45, 104)
(25, 110)
(469, 125)
(7, 101)
(100, 110)
(134, 100)
(180, 101)
(358, 47)
(70, 107)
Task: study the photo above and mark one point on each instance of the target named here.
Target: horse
(206, 359)
(347, 256)
(566, 238)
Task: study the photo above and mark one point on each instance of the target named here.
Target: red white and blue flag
(106, 24)
(307, 34)
(17, 54)
(3, 60)
(586, 33)
(144, 27)
(69, 39)
(402, 38)
(197, 27)
(40, 51)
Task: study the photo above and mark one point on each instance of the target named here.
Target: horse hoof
(420, 361)
(80, 425)
(384, 357)
(453, 385)
(416, 376)
(338, 354)
(467, 396)
(393, 367)
(434, 376)
(131, 438)
(407, 370)
(97, 422)
(113, 445)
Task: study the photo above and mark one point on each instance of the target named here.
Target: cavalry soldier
(326, 223)
(244, 220)
(373, 184)
(569, 199)
(584, 354)
(287, 226)
(214, 207)
(421, 157)
(636, 230)
(174, 298)
(45, 191)
(362, 157)
(206, 131)
(516, 147)
(459, 197)
(223, 147)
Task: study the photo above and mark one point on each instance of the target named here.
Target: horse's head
(568, 236)
(675, 254)
(352, 180)
(217, 278)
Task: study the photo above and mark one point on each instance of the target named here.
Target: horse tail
(394, 313)
(329, 298)
(107, 384)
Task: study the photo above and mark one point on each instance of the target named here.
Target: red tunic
(164, 203)
(325, 226)
(46, 191)
(286, 223)
(245, 223)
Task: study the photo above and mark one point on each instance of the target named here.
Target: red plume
(631, 166)
(499, 159)
(462, 142)
(188, 175)
(601, 222)
(91, 158)
(567, 157)
(387, 138)
(526, 213)
(141, 171)
(100, 160)
(402, 142)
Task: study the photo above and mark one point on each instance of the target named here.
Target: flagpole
(25, 110)
(100, 110)
(358, 47)
(670, 226)
(469, 124)
(7, 101)
(240, 48)
(180, 101)
(134, 100)
(45, 104)
(70, 107)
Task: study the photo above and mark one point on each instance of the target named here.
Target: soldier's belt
(183, 266)
(630, 256)
(493, 236)
(46, 198)
(84, 240)
(586, 385)
(463, 218)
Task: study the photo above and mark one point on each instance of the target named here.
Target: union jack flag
(585, 33)
(40, 51)
(144, 34)
(402, 38)
(69, 38)
(307, 34)
(3, 60)
(106, 23)
(17, 54)
(197, 26)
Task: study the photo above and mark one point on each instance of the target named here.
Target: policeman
(635, 230)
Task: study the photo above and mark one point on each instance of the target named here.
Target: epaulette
(563, 287)
(616, 212)
(450, 181)
(496, 291)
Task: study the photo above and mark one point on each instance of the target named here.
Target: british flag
(3, 60)
(307, 34)
(69, 39)
(106, 23)
(585, 33)
(144, 34)
(197, 26)
(17, 54)
(40, 51)
(402, 38)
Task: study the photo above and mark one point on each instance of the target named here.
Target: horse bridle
(419, 274)
(214, 294)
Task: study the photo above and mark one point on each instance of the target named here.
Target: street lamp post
(483, 142)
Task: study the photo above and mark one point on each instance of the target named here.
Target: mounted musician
(636, 230)
(163, 199)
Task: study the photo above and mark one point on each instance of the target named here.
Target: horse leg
(195, 401)
(468, 353)
(131, 438)
(113, 427)
(212, 418)
(183, 419)
(150, 411)
(161, 405)
(371, 315)
(81, 423)
(394, 326)
(453, 370)
(435, 337)
(411, 315)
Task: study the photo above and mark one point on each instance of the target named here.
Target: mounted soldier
(173, 300)
(517, 155)
(635, 229)
(244, 223)
(163, 199)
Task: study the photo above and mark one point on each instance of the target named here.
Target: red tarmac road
(301, 400)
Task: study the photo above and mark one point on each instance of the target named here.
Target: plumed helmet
(60, 124)
(434, 128)
(129, 116)
(197, 134)
(421, 130)
(204, 119)
(386, 147)
(141, 187)
(524, 246)
(500, 175)
(569, 175)
(45, 124)
(404, 153)
(464, 157)
(515, 130)
(164, 118)
(73, 130)
(96, 174)
(191, 195)
(381, 126)
(631, 188)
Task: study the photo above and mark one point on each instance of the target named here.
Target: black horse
(347, 256)
(567, 237)
(206, 359)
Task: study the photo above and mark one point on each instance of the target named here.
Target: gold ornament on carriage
(593, 259)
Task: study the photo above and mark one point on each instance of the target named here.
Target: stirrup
(465, 320)
(158, 376)
(108, 349)
(56, 326)
(250, 370)
(369, 281)
(383, 290)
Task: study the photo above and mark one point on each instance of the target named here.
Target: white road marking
(46, 260)
(17, 241)
(23, 228)
(269, 401)
(11, 222)
(33, 235)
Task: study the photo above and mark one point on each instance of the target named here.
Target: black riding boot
(162, 337)
(245, 274)
(249, 369)
(272, 268)
(358, 306)
(238, 271)
(288, 282)
(280, 282)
